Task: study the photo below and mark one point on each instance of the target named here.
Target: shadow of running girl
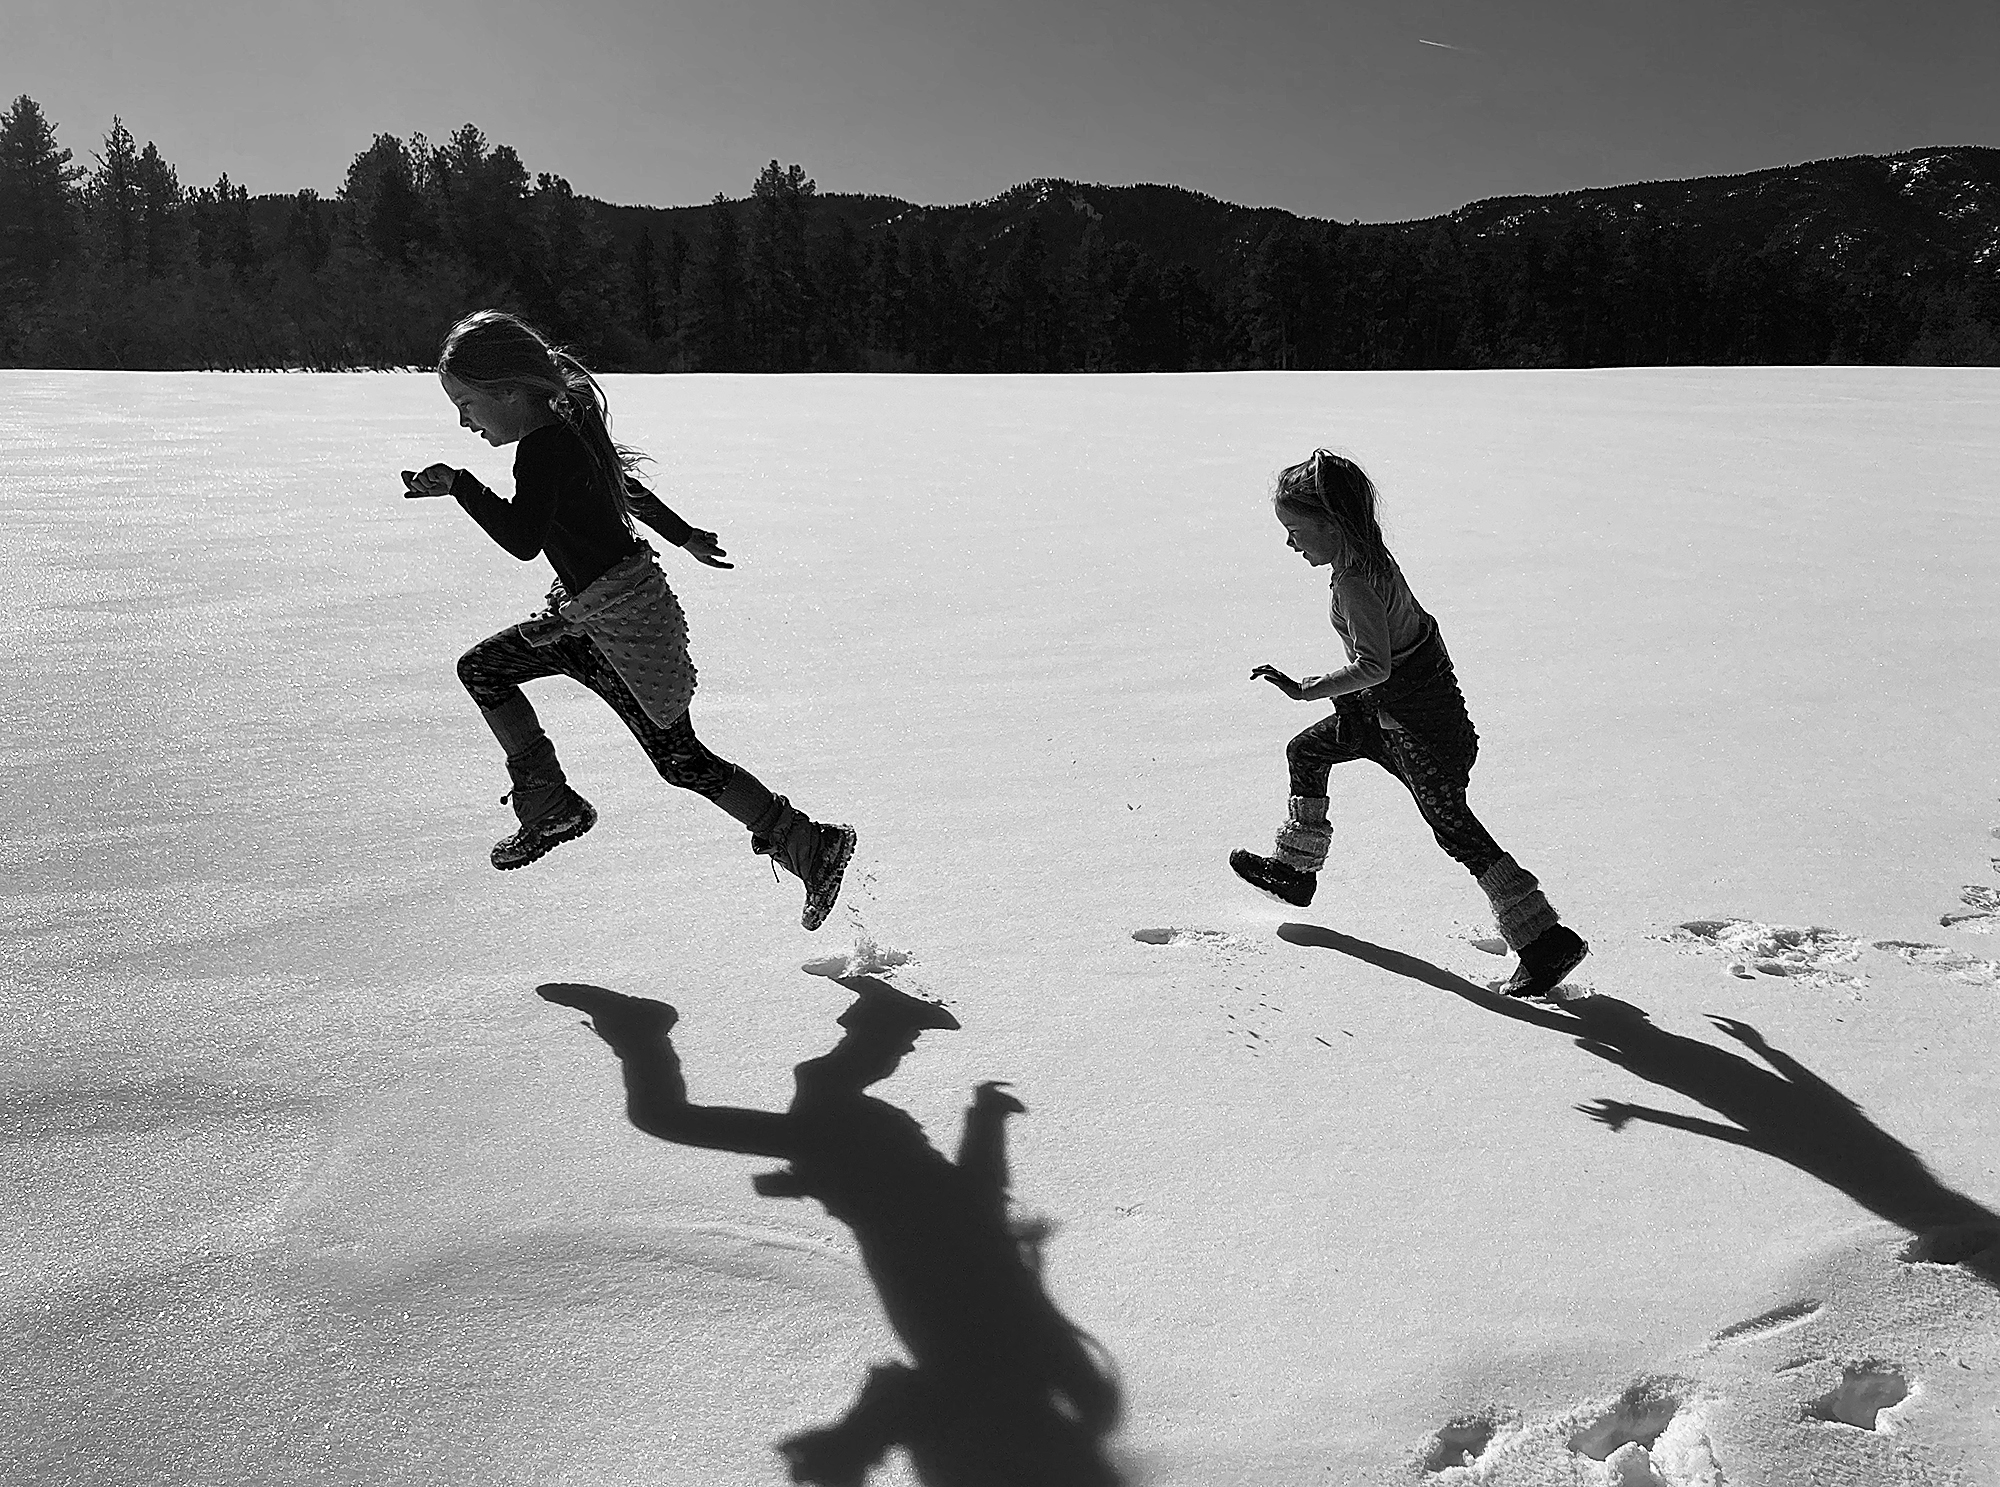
(1789, 1112)
(1003, 1389)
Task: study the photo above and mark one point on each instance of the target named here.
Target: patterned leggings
(494, 669)
(1438, 786)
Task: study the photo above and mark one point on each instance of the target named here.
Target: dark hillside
(1866, 259)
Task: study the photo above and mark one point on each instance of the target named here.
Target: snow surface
(307, 1186)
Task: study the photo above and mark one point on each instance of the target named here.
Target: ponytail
(1333, 489)
(586, 412)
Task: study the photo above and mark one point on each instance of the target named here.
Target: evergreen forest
(115, 263)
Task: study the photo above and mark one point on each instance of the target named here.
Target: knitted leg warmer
(744, 798)
(785, 834)
(539, 783)
(540, 787)
(1304, 838)
(1518, 905)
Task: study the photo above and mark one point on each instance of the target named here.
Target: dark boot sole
(546, 840)
(820, 904)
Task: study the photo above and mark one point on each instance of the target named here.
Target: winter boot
(814, 853)
(1545, 960)
(548, 810)
(1529, 925)
(1268, 875)
(1290, 874)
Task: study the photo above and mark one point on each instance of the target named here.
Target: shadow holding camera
(1001, 1387)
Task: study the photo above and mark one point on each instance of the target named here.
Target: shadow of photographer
(1784, 1110)
(1003, 1389)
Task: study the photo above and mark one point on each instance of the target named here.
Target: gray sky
(1332, 109)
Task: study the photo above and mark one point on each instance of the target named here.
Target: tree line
(117, 264)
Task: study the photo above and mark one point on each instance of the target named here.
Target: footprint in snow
(1956, 964)
(1813, 954)
(1460, 1443)
(1216, 939)
(1866, 1388)
(1639, 1418)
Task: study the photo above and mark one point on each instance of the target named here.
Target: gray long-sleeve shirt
(1380, 623)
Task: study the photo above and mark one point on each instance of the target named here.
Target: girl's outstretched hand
(432, 480)
(1279, 680)
(704, 548)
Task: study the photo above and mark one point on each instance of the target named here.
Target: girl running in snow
(1396, 702)
(611, 621)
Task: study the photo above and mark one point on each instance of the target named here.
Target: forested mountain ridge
(1868, 259)
(1946, 199)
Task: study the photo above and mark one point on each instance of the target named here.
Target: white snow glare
(308, 1187)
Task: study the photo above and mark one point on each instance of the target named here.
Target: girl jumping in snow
(1396, 702)
(611, 621)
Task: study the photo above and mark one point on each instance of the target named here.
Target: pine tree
(719, 292)
(115, 204)
(572, 272)
(646, 286)
(780, 289)
(1028, 321)
(160, 219)
(1093, 302)
(838, 331)
(675, 287)
(381, 204)
(222, 230)
(37, 195)
(888, 307)
(479, 197)
(307, 239)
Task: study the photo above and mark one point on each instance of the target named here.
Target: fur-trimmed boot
(549, 811)
(1291, 873)
(1548, 949)
(811, 851)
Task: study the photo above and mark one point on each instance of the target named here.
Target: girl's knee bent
(474, 677)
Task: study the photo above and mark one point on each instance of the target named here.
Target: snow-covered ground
(306, 1186)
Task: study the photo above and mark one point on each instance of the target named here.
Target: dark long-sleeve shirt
(559, 510)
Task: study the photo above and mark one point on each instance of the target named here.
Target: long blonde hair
(1331, 488)
(497, 352)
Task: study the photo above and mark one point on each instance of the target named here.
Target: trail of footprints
(1821, 956)
(1657, 1431)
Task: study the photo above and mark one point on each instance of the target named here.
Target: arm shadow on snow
(1788, 1112)
(1002, 1387)
(1785, 1111)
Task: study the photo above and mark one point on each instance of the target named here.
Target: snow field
(317, 1191)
